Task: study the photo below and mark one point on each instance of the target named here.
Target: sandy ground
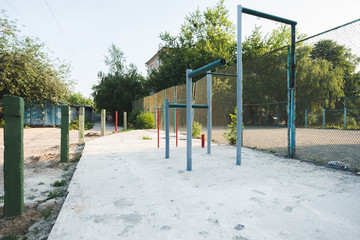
(124, 188)
(41, 152)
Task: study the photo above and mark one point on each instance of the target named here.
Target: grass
(46, 214)
(41, 183)
(66, 168)
(10, 236)
(56, 193)
(32, 197)
(58, 183)
(2, 198)
(76, 158)
(146, 138)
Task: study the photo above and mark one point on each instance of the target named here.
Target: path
(124, 188)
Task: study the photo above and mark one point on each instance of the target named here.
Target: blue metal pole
(209, 120)
(289, 102)
(239, 88)
(188, 120)
(167, 129)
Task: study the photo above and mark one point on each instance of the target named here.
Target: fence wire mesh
(327, 99)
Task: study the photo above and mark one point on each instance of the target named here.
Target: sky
(80, 32)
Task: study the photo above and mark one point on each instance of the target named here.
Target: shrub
(145, 121)
(2, 123)
(196, 130)
(132, 117)
(231, 134)
(74, 125)
(351, 123)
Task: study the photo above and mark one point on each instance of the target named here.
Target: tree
(79, 99)
(26, 70)
(117, 89)
(203, 38)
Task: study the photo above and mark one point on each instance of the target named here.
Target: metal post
(64, 152)
(158, 127)
(288, 110)
(306, 104)
(103, 115)
(125, 120)
(293, 91)
(239, 89)
(174, 109)
(13, 156)
(167, 129)
(81, 125)
(116, 121)
(177, 135)
(155, 110)
(344, 113)
(209, 120)
(323, 113)
(163, 109)
(188, 120)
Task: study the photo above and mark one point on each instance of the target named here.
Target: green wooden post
(81, 125)
(13, 156)
(65, 118)
(103, 115)
(125, 120)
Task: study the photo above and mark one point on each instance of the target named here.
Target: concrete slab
(124, 188)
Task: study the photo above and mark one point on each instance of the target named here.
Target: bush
(196, 130)
(145, 121)
(2, 123)
(351, 123)
(74, 125)
(132, 117)
(231, 135)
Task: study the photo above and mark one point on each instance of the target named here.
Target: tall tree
(26, 69)
(203, 38)
(117, 89)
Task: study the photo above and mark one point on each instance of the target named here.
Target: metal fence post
(116, 121)
(323, 113)
(65, 118)
(209, 113)
(239, 81)
(344, 113)
(167, 129)
(306, 113)
(188, 121)
(13, 156)
(125, 120)
(103, 116)
(81, 125)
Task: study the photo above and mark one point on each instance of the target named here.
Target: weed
(76, 158)
(32, 197)
(196, 130)
(46, 214)
(272, 151)
(2, 198)
(45, 192)
(36, 230)
(146, 138)
(41, 183)
(26, 127)
(56, 193)
(66, 168)
(59, 183)
(10, 236)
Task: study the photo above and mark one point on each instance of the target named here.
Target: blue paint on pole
(167, 129)
(239, 80)
(188, 121)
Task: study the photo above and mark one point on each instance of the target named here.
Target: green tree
(117, 89)
(203, 38)
(26, 69)
(79, 99)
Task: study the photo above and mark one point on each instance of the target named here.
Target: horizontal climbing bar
(268, 16)
(224, 74)
(206, 68)
(184, 106)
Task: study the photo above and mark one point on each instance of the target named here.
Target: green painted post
(323, 113)
(103, 115)
(81, 125)
(65, 117)
(13, 156)
(174, 109)
(125, 121)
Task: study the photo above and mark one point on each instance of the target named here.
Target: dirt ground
(317, 145)
(45, 179)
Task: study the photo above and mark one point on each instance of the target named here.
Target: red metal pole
(202, 140)
(158, 126)
(116, 120)
(177, 136)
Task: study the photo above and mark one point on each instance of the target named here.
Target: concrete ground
(124, 188)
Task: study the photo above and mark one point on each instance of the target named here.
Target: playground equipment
(207, 69)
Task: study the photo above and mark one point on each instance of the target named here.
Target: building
(154, 62)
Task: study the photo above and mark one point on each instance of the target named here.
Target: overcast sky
(81, 31)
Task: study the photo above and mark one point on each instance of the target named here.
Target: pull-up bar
(184, 106)
(268, 16)
(206, 68)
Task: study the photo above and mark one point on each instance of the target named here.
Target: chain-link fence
(327, 99)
